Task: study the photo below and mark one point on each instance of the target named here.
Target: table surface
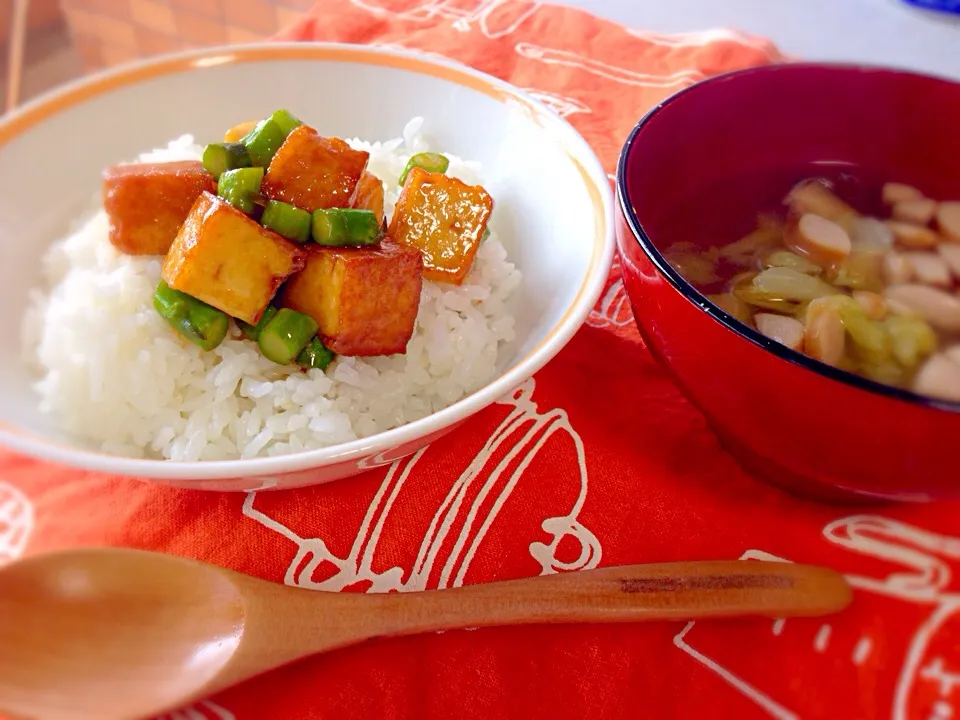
(888, 32)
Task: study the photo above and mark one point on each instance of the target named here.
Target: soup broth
(850, 268)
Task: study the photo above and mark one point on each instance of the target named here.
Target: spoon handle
(632, 593)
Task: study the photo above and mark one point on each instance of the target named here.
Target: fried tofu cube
(238, 132)
(314, 172)
(444, 218)
(228, 260)
(147, 203)
(365, 300)
(368, 195)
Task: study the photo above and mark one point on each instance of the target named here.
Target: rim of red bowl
(714, 311)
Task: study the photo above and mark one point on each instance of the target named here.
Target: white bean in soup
(894, 192)
(929, 269)
(951, 256)
(940, 376)
(948, 220)
(913, 236)
(824, 337)
(874, 292)
(783, 329)
(919, 211)
(938, 308)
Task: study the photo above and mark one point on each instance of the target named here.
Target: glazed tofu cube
(228, 260)
(314, 172)
(368, 195)
(147, 203)
(444, 218)
(364, 300)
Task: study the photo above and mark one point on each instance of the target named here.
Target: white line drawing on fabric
(496, 18)
(705, 37)
(16, 522)
(861, 651)
(462, 520)
(552, 56)
(563, 105)
(822, 640)
(613, 309)
(203, 710)
(775, 709)
(925, 563)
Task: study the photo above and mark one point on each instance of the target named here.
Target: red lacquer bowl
(737, 143)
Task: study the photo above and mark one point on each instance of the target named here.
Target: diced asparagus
(252, 332)
(429, 161)
(286, 121)
(268, 135)
(286, 335)
(220, 157)
(287, 220)
(345, 226)
(239, 187)
(315, 355)
(198, 322)
(264, 141)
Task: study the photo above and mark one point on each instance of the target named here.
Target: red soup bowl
(697, 168)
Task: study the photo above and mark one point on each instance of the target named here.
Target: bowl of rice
(97, 379)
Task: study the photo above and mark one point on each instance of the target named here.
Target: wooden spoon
(111, 634)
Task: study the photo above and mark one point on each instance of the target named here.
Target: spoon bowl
(177, 615)
(110, 634)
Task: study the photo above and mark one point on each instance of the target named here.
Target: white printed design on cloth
(615, 73)
(704, 37)
(563, 105)
(16, 522)
(463, 518)
(923, 682)
(613, 308)
(496, 18)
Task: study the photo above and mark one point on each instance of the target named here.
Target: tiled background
(107, 32)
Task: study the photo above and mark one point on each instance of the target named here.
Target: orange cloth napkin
(603, 463)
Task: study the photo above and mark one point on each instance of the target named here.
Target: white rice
(116, 377)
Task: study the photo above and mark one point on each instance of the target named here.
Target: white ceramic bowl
(554, 210)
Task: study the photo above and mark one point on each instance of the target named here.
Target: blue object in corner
(949, 6)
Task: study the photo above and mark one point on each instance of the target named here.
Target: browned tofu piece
(368, 195)
(365, 300)
(238, 132)
(314, 172)
(444, 218)
(228, 260)
(148, 202)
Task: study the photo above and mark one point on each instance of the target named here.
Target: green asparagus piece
(429, 161)
(315, 355)
(345, 226)
(486, 234)
(287, 333)
(268, 135)
(220, 157)
(286, 121)
(264, 141)
(238, 187)
(287, 220)
(198, 322)
(252, 332)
